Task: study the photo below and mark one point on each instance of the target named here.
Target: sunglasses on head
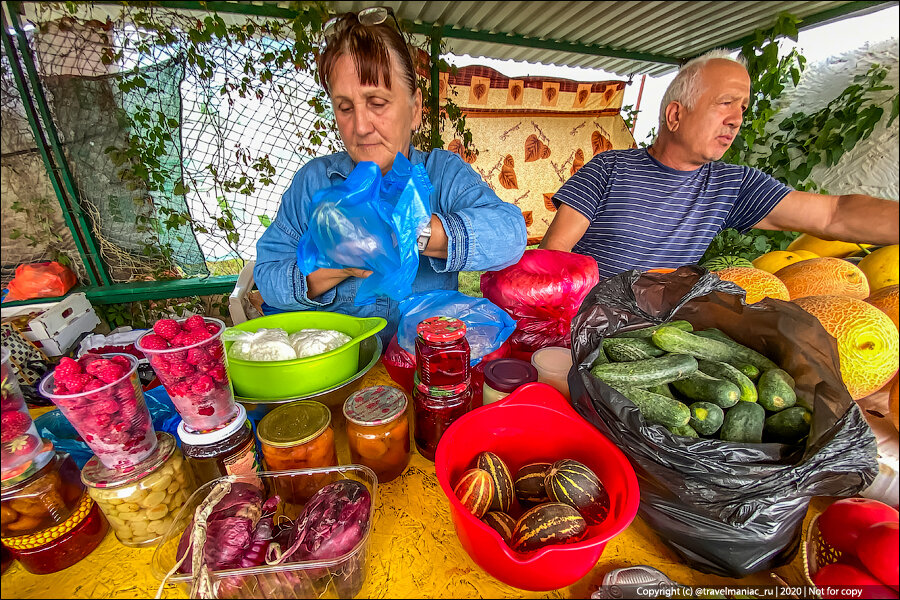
(374, 15)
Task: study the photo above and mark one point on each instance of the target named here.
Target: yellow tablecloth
(414, 552)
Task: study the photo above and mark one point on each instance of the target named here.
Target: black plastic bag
(725, 508)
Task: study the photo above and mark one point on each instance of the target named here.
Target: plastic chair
(245, 302)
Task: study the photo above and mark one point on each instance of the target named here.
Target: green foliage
(143, 314)
(39, 229)
(428, 136)
(790, 151)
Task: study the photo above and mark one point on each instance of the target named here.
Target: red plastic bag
(542, 292)
(40, 280)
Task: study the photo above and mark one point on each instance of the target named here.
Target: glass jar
(378, 430)
(7, 559)
(442, 352)
(436, 409)
(44, 499)
(504, 375)
(141, 504)
(553, 364)
(230, 450)
(21, 442)
(49, 521)
(295, 436)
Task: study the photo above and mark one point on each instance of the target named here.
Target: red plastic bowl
(535, 423)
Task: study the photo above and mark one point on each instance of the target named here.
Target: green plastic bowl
(301, 376)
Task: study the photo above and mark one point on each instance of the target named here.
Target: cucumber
(601, 359)
(730, 373)
(706, 417)
(647, 372)
(673, 339)
(630, 349)
(646, 332)
(684, 431)
(750, 371)
(703, 387)
(662, 389)
(743, 423)
(714, 334)
(658, 409)
(776, 391)
(788, 426)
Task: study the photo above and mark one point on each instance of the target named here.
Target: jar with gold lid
(140, 505)
(298, 435)
(49, 522)
(378, 430)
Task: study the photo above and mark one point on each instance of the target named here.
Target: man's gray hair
(685, 88)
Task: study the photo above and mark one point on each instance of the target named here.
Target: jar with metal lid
(378, 430)
(49, 522)
(141, 504)
(294, 436)
(442, 352)
(504, 375)
(229, 450)
(436, 408)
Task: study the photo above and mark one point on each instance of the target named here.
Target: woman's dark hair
(369, 46)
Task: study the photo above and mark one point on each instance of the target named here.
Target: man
(662, 206)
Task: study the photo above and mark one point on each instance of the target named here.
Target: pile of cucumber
(703, 384)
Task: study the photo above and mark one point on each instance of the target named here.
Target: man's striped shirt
(646, 215)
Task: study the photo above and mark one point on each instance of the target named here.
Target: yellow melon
(824, 276)
(777, 259)
(824, 247)
(804, 254)
(866, 340)
(882, 267)
(887, 300)
(757, 283)
(894, 402)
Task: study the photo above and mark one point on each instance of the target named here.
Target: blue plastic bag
(370, 222)
(487, 325)
(55, 428)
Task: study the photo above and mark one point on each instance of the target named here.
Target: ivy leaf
(265, 220)
(895, 109)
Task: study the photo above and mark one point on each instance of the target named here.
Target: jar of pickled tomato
(442, 352)
(378, 430)
(295, 436)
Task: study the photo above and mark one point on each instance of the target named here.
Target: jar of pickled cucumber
(378, 430)
(295, 436)
(141, 504)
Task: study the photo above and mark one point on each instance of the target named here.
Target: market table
(413, 552)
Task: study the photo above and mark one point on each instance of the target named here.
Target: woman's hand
(321, 280)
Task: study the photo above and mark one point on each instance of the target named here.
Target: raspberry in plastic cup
(19, 438)
(112, 418)
(189, 359)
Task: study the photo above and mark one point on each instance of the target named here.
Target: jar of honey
(378, 430)
(49, 522)
(295, 436)
(229, 450)
(442, 352)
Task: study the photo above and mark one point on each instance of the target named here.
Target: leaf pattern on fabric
(548, 202)
(529, 219)
(507, 175)
(535, 149)
(578, 161)
(600, 143)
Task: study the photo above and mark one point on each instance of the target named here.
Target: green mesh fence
(180, 151)
(33, 226)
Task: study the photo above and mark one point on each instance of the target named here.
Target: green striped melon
(718, 263)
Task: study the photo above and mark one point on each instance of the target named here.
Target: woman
(368, 71)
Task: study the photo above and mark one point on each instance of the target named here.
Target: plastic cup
(196, 379)
(113, 420)
(19, 438)
(553, 364)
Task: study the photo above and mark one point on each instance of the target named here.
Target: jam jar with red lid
(436, 408)
(378, 430)
(229, 450)
(442, 351)
(49, 522)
